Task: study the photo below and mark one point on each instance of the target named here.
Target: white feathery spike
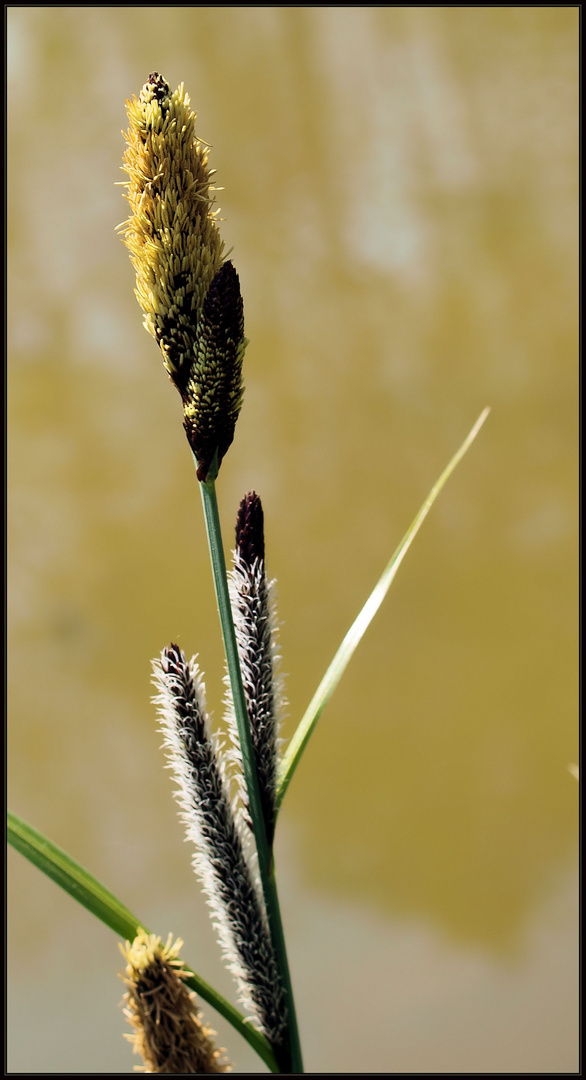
(219, 860)
(253, 603)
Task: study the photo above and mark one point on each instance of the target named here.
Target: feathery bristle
(252, 599)
(219, 860)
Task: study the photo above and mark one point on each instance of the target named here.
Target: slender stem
(291, 1055)
(254, 1038)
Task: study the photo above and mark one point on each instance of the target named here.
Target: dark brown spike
(213, 394)
(223, 309)
(250, 540)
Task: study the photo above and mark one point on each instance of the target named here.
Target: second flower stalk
(289, 1053)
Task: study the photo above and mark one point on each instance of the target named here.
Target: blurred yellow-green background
(401, 199)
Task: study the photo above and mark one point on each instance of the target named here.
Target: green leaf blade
(342, 658)
(70, 876)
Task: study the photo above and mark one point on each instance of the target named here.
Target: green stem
(254, 1038)
(289, 1057)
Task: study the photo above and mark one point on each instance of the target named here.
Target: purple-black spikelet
(219, 861)
(250, 529)
(253, 608)
(213, 395)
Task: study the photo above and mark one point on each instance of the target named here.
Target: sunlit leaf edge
(342, 658)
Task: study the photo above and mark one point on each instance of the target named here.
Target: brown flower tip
(168, 1031)
(156, 87)
(250, 541)
(213, 395)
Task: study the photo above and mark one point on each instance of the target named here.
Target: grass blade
(66, 872)
(346, 650)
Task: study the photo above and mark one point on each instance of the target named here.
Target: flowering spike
(253, 608)
(171, 234)
(219, 861)
(168, 1030)
(213, 394)
(190, 297)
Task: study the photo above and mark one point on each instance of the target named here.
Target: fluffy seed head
(253, 604)
(220, 859)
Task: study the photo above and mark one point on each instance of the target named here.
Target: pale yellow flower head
(190, 297)
(168, 1031)
(172, 236)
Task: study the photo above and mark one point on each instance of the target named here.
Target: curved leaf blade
(66, 872)
(356, 632)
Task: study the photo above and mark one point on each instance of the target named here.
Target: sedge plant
(229, 796)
